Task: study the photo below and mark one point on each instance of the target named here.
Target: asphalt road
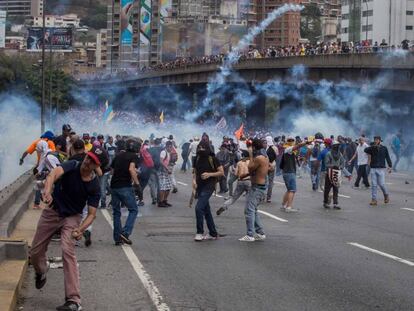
(306, 263)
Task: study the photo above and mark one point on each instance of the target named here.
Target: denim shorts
(290, 181)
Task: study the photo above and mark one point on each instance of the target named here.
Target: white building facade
(377, 20)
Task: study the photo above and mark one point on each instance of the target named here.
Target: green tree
(21, 74)
(310, 23)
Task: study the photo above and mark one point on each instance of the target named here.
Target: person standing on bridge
(258, 170)
(75, 184)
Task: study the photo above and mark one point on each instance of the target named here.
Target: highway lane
(306, 263)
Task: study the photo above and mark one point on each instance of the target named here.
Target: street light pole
(366, 26)
(43, 104)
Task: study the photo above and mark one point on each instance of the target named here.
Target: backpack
(58, 155)
(146, 158)
(173, 156)
(155, 153)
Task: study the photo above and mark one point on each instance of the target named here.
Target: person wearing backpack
(207, 171)
(164, 173)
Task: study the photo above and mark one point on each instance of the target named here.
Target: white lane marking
(408, 209)
(399, 174)
(143, 275)
(339, 195)
(407, 262)
(279, 183)
(272, 216)
(218, 195)
(181, 183)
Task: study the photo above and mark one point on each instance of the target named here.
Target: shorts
(164, 180)
(290, 181)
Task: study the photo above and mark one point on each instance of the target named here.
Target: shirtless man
(258, 170)
(243, 182)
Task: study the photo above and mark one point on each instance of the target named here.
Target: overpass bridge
(333, 67)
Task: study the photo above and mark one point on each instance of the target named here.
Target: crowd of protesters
(77, 174)
(253, 53)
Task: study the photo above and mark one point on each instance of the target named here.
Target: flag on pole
(162, 117)
(109, 113)
(222, 124)
(239, 132)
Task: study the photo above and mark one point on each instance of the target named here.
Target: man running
(258, 170)
(76, 185)
(124, 168)
(377, 156)
(61, 141)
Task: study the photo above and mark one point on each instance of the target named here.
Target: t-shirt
(121, 177)
(206, 165)
(193, 148)
(48, 163)
(185, 149)
(362, 156)
(288, 164)
(71, 193)
(78, 157)
(32, 147)
(88, 146)
(62, 142)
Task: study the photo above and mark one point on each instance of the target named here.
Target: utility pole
(50, 79)
(43, 104)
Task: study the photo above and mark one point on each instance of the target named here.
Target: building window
(408, 27)
(366, 28)
(410, 12)
(367, 13)
(345, 30)
(345, 16)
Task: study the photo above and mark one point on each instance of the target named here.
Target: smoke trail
(215, 85)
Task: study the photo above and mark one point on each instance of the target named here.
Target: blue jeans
(38, 197)
(202, 211)
(378, 179)
(103, 181)
(127, 197)
(255, 196)
(290, 181)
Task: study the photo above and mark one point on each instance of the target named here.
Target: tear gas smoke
(19, 126)
(215, 87)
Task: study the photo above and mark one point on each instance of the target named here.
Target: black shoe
(336, 207)
(40, 280)
(119, 243)
(125, 239)
(87, 236)
(69, 306)
(220, 211)
(175, 190)
(154, 202)
(167, 204)
(141, 203)
(162, 204)
(326, 205)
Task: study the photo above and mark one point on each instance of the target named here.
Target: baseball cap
(66, 127)
(98, 155)
(48, 135)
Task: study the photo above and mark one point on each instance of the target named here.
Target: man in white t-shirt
(193, 150)
(362, 161)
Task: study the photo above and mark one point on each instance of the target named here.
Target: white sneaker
(291, 210)
(198, 237)
(247, 238)
(209, 237)
(259, 237)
